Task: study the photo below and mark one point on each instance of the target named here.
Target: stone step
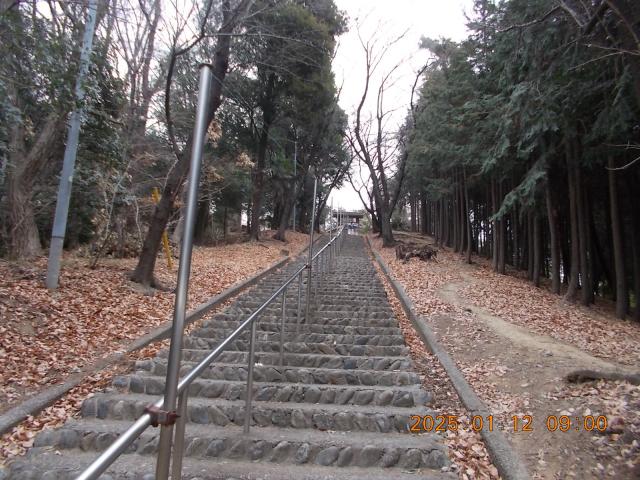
(47, 463)
(216, 336)
(305, 360)
(226, 327)
(250, 306)
(319, 318)
(368, 292)
(266, 373)
(338, 303)
(266, 444)
(195, 343)
(397, 396)
(338, 408)
(329, 318)
(204, 411)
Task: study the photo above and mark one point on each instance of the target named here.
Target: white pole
(70, 152)
(295, 166)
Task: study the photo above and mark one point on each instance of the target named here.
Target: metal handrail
(122, 443)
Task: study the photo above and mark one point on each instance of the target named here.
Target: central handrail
(141, 424)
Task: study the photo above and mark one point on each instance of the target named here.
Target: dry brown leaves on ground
(213, 270)
(593, 330)
(45, 336)
(466, 448)
(418, 277)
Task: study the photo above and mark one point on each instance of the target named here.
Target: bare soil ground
(515, 344)
(46, 336)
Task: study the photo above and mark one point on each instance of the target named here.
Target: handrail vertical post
(175, 350)
(178, 442)
(250, 363)
(310, 260)
(282, 322)
(299, 301)
(315, 282)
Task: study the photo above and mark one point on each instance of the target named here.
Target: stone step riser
(320, 318)
(336, 304)
(330, 309)
(299, 393)
(299, 348)
(262, 415)
(264, 373)
(257, 450)
(214, 337)
(367, 293)
(307, 360)
(226, 327)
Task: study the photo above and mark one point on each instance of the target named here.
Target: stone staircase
(339, 406)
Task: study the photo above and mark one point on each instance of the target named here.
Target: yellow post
(155, 195)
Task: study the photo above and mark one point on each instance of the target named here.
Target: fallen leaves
(466, 448)
(513, 378)
(594, 330)
(20, 438)
(45, 336)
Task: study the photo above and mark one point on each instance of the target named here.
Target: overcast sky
(386, 20)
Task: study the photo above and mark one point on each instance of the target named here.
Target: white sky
(388, 19)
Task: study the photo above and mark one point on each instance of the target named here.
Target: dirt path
(523, 337)
(522, 374)
(518, 369)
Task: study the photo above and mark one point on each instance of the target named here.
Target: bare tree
(231, 18)
(375, 146)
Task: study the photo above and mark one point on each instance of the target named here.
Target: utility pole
(70, 152)
(295, 167)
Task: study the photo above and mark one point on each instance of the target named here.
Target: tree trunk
(552, 216)
(463, 212)
(537, 249)
(414, 214)
(143, 272)
(441, 225)
(516, 239)
(261, 161)
(285, 217)
(622, 296)
(203, 222)
(257, 185)
(530, 245)
(502, 240)
(572, 288)
(385, 227)
(494, 227)
(449, 212)
(456, 223)
(24, 239)
(23, 169)
(586, 292)
(424, 224)
(467, 214)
